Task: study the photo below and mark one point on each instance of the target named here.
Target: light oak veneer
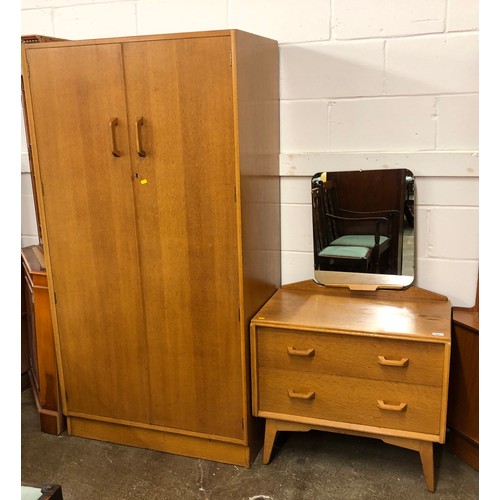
(372, 364)
(156, 166)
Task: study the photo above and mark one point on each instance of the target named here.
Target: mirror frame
(360, 280)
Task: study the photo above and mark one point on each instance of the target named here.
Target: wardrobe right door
(180, 98)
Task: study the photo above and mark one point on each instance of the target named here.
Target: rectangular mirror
(363, 228)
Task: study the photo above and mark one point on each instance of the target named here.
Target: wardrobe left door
(81, 156)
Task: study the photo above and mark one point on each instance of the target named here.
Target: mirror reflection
(363, 222)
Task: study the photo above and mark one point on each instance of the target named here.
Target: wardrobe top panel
(141, 38)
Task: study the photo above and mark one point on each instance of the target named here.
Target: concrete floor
(305, 466)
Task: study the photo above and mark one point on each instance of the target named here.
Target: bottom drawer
(392, 405)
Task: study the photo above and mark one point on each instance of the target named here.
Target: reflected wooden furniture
(374, 191)
(372, 364)
(42, 369)
(463, 404)
(156, 165)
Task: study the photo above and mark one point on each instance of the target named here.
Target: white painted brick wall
(463, 15)
(37, 21)
(28, 219)
(297, 216)
(462, 242)
(283, 20)
(304, 126)
(383, 124)
(445, 192)
(333, 69)
(97, 20)
(363, 84)
(458, 124)
(158, 16)
(385, 18)
(432, 64)
(29, 232)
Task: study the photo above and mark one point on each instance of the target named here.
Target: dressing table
(366, 363)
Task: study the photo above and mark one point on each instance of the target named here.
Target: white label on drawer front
(438, 334)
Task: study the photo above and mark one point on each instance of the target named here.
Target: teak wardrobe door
(180, 95)
(88, 204)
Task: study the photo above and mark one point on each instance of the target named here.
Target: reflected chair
(372, 191)
(350, 228)
(328, 256)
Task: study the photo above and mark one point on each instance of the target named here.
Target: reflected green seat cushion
(345, 252)
(362, 240)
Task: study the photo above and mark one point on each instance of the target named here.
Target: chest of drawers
(373, 364)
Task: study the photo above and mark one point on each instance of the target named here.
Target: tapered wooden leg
(427, 458)
(269, 437)
(426, 450)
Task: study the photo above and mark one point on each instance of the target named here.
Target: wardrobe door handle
(392, 362)
(138, 137)
(300, 395)
(113, 122)
(385, 406)
(298, 352)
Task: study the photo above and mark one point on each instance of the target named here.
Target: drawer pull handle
(300, 395)
(298, 352)
(385, 406)
(392, 362)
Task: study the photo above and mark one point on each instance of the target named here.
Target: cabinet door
(185, 189)
(89, 213)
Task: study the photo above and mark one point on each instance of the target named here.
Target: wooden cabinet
(157, 168)
(463, 405)
(42, 367)
(372, 364)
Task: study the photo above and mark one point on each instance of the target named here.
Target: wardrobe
(155, 162)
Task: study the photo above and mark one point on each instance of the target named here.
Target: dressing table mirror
(363, 228)
(358, 350)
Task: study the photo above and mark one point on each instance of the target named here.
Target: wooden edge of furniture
(56, 42)
(45, 383)
(52, 420)
(410, 293)
(25, 361)
(463, 415)
(464, 448)
(466, 318)
(159, 440)
(39, 39)
(255, 76)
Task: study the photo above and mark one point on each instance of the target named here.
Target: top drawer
(351, 355)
